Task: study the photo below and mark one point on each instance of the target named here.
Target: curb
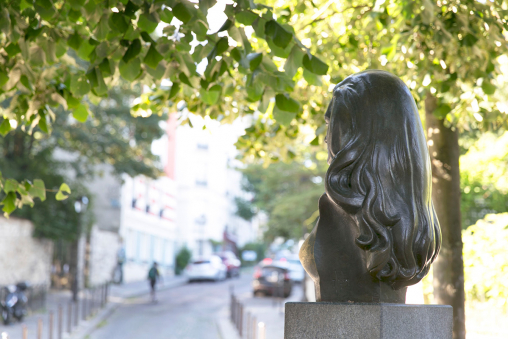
(91, 325)
(147, 291)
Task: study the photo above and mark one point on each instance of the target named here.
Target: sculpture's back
(377, 232)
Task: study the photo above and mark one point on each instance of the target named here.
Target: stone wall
(104, 246)
(23, 257)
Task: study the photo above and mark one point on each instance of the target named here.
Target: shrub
(182, 259)
(486, 261)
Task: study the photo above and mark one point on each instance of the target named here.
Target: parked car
(232, 263)
(211, 268)
(271, 279)
(296, 271)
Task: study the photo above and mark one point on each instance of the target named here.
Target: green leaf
(3, 78)
(220, 47)
(294, 61)
(246, 17)
(10, 185)
(183, 78)
(225, 26)
(5, 21)
(79, 85)
(85, 49)
(80, 113)
(131, 70)
(153, 57)
(488, 88)
(285, 103)
(283, 117)
(12, 49)
(74, 41)
(147, 22)
(315, 141)
(5, 127)
(43, 125)
(132, 51)
(45, 9)
(38, 190)
(118, 22)
(65, 188)
(442, 111)
(469, 40)
(278, 34)
(102, 29)
(236, 54)
(166, 15)
(312, 78)
(106, 68)
(24, 4)
(9, 203)
(175, 88)
(76, 4)
(210, 96)
(254, 60)
(131, 8)
(101, 89)
(182, 13)
(313, 64)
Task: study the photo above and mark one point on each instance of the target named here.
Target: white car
(296, 271)
(210, 268)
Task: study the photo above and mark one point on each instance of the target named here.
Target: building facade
(207, 183)
(191, 205)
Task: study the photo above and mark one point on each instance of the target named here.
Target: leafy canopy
(275, 61)
(119, 38)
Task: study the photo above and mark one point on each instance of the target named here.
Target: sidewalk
(264, 309)
(138, 288)
(117, 294)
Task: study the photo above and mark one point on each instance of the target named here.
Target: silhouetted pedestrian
(153, 276)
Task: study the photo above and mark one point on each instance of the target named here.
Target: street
(190, 311)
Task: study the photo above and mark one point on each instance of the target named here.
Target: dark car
(232, 263)
(271, 279)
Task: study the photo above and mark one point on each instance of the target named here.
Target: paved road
(188, 311)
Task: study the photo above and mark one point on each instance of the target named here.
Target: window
(201, 220)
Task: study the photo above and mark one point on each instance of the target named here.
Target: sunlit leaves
(166, 15)
(5, 127)
(294, 61)
(278, 34)
(211, 95)
(182, 13)
(147, 22)
(313, 64)
(132, 51)
(246, 17)
(63, 192)
(38, 190)
(80, 113)
(153, 57)
(130, 70)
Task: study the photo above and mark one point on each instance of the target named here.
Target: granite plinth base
(322, 320)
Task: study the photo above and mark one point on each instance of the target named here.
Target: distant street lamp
(80, 205)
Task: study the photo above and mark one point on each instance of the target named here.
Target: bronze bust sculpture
(377, 232)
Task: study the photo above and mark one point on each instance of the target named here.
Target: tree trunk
(448, 268)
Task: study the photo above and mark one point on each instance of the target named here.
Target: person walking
(153, 276)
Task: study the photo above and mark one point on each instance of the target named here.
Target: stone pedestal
(323, 320)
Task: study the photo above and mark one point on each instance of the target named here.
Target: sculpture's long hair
(380, 173)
